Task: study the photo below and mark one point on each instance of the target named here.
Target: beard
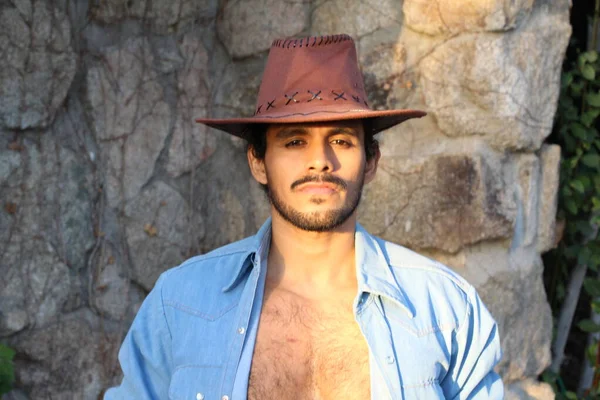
(318, 221)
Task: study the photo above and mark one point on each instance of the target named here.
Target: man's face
(315, 172)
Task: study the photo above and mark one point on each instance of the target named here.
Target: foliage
(7, 375)
(579, 197)
(576, 130)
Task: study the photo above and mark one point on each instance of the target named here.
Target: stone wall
(105, 181)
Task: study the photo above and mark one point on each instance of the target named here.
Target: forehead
(355, 126)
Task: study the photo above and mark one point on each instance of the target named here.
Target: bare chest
(308, 353)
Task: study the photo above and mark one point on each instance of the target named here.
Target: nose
(321, 158)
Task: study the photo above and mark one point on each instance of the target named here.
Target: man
(312, 306)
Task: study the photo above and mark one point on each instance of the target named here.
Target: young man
(312, 306)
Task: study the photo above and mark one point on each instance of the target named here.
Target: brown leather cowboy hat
(313, 79)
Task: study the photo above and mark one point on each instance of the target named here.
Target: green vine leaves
(579, 198)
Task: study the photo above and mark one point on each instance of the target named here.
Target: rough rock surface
(356, 18)
(57, 367)
(158, 232)
(160, 16)
(244, 29)
(37, 64)
(131, 117)
(106, 181)
(191, 143)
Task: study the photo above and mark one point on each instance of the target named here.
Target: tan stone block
(528, 389)
(482, 84)
(246, 28)
(450, 16)
(527, 190)
(550, 158)
(443, 201)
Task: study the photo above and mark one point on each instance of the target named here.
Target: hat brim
(378, 120)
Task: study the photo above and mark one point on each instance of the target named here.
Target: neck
(312, 264)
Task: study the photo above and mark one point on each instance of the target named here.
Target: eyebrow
(293, 131)
(344, 130)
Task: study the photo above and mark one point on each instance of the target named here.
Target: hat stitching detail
(315, 96)
(291, 98)
(316, 112)
(306, 41)
(338, 95)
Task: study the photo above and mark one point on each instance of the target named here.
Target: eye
(342, 142)
(294, 143)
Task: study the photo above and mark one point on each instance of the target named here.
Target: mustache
(321, 178)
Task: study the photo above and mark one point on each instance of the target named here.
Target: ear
(371, 167)
(257, 167)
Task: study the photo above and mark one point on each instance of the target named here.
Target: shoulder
(206, 274)
(405, 261)
(433, 289)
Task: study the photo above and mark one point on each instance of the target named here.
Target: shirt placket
(240, 331)
(376, 331)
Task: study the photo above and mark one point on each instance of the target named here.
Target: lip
(317, 188)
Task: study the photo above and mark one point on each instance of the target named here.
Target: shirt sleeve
(476, 350)
(145, 354)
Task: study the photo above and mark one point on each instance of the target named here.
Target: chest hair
(308, 351)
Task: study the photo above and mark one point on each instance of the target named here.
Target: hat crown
(312, 79)
(311, 74)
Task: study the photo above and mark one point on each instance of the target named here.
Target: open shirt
(429, 334)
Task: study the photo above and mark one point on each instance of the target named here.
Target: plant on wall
(7, 375)
(576, 260)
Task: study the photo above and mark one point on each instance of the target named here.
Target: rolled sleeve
(476, 350)
(145, 355)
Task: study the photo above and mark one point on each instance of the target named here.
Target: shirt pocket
(194, 382)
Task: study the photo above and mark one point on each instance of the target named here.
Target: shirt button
(241, 330)
(199, 396)
(390, 359)
(225, 397)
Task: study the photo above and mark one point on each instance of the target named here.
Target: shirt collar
(374, 273)
(257, 250)
(372, 268)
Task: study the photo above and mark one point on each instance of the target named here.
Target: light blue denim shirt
(428, 332)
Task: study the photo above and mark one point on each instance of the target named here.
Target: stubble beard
(318, 221)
